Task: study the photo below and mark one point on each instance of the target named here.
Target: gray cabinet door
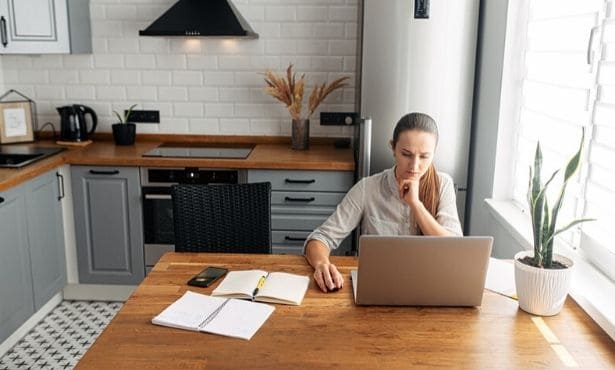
(108, 224)
(16, 304)
(46, 238)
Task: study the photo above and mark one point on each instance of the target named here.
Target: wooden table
(329, 331)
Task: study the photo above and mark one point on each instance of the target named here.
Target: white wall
(200, 86)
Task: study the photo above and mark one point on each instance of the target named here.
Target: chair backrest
(234, 218)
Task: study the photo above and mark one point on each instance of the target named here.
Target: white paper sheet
(501, 278)
(15, 122)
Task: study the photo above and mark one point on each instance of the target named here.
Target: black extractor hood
(209, 18)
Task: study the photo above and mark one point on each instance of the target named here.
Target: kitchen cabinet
(46, 236)
(300, 202)
(108, 224)
(32, 267)
(45, 26)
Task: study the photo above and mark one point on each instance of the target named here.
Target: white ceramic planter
(542, 291)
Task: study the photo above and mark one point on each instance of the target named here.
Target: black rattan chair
(233, 218)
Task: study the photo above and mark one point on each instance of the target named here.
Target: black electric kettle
(73, 126)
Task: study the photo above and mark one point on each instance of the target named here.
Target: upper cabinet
(45, 26)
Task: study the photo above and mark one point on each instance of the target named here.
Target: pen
(260, 284)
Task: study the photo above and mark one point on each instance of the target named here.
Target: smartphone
(207, 277)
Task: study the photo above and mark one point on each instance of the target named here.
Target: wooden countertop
(105, 153)
(330, 331)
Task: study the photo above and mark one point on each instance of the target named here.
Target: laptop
(421, 270)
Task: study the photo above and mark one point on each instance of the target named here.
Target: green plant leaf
(573, 223)
(119, 118)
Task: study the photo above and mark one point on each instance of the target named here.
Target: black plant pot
(124, 133)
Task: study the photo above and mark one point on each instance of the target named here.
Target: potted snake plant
(543, 278)
(124, 132)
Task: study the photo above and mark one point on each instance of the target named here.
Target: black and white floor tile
(62, 337)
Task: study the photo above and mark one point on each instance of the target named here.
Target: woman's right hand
(327, 277)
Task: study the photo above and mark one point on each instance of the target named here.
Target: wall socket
(339, 118)
(144, 116)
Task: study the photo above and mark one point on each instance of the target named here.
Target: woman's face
(413, 153)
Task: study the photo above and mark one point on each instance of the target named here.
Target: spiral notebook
(229, 317)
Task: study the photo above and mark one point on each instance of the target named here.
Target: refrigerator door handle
(365, 145)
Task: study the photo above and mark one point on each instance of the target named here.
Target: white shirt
(375, 203)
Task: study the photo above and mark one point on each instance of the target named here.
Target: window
(566, 80)
(566, 74)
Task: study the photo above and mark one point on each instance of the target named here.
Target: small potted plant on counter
(288, 90)
(124, 132)
(542, 278)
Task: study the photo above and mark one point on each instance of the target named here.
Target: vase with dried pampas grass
(289, 90)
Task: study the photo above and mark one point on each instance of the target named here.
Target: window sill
(591, 289)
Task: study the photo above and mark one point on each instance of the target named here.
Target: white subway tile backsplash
(219, 110)
(276, 13)
(235, 94)
(312, 13)
(154, 45)
(202, 62)
(141, 93)
(188, 110)
(62, 77)
(80, 93)
(125, 77)
(235, 126)
(204, 126)
(124, 45)
(204, 94)
(111, 93)
(171, 61)
(218, 78)
(199, 85)
(49, 92)
(140, 62)
(173, 93)
(343, 13)
(160, 78)
(109, 61)
(187, 78)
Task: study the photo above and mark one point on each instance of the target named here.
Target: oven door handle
(157, 196)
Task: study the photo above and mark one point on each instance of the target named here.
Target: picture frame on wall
(16, 122)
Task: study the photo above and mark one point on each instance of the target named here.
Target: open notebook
(229, 317)
(259, 285)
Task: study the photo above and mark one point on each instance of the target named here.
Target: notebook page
(189, 311)
(501, 278)
(289, 288)
(239, 282)
(239, 319)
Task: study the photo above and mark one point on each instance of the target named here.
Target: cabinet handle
(110, 172)
(290, 181)
(291, 239)
(1, 199)
(3, 33)
(60, 186)
(307, 200)
(157, 196)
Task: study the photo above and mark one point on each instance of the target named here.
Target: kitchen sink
(16, 156)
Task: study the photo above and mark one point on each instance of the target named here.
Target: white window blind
(568, 84)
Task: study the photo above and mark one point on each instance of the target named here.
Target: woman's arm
(326, 274)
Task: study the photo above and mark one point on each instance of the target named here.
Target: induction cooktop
(196, 151)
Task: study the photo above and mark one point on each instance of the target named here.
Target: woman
(409, 199)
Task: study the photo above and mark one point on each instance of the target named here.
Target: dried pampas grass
(289, 91)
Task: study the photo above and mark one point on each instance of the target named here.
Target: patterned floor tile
(62, 337)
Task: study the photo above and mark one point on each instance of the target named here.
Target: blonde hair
(429, 186)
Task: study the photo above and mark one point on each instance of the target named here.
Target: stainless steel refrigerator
(418, 56)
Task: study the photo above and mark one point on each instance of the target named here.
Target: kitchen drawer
(289, 238)
(296, 221)
(306, 198)
(304, 180)
(302, 210)
(286, 249)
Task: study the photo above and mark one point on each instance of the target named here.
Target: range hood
(208, 18)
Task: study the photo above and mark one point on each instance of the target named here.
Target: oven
(156, 185)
